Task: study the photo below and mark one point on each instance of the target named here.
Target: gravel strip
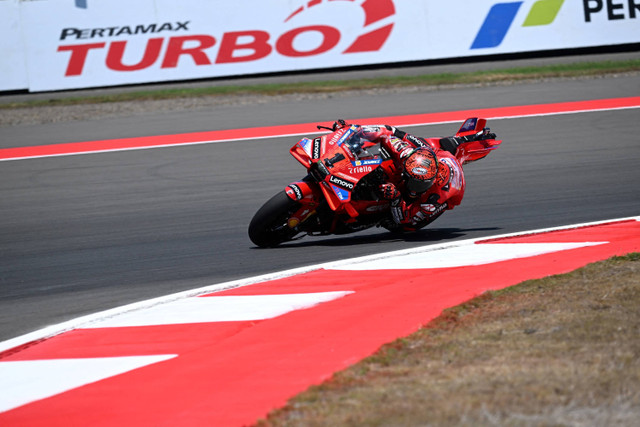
(85, 112)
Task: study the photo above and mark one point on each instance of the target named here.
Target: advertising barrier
(13, 70)
(66, 44)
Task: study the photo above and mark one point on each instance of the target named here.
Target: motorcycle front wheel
(269, 226)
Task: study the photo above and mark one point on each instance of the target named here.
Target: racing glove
(389, 191)
(339, 124)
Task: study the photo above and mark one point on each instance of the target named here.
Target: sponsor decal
(233, 46)
(334, 138)
(403, 148)
(316, 148)
(347, 185)
(360, 169)
(294, 190)
(305, 144)
(364, 166)
(455, 173)
(440, 208)
(611, 10)
(419, 171)
(343, 195)
(469, 124)
(129, 30)
(496, 24)
(346, 135)
(415, 140)
(374, 12)
(501, 16)
(428, 208)
(366, 162)
(398, 144)
(444, 173)
(427, 211)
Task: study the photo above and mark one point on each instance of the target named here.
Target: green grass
(480, 77)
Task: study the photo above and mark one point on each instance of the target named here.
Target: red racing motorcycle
(340, 193)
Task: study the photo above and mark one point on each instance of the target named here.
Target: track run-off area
(227, 353)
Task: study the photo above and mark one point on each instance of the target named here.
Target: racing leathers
(411, 210)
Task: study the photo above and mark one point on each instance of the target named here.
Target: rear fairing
(474, 150)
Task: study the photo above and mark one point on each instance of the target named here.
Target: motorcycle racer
(428, 177)
(359, 177)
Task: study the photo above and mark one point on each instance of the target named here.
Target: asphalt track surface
(80, 234)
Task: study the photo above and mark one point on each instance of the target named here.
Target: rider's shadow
(430, 235)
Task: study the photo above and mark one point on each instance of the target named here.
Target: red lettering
(235, 46)
(229, 45)
(330, 38)
(78, 56)
(176, 48)
(116, 52)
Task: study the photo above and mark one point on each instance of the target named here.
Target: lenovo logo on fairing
(341, 182)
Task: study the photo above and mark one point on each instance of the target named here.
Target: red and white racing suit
(413, 211)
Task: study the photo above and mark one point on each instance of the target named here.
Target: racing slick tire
(269, 226)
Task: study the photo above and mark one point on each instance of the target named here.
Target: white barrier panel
(13, 70)
(112, 42)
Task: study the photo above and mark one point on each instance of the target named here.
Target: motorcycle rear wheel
(269, 227)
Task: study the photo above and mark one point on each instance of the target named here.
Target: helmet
(420, 170)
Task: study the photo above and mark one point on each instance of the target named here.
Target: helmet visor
(419, 186)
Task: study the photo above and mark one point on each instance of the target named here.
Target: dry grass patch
(564, 350)
(574, 70)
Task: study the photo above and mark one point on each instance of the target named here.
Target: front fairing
(338, 161)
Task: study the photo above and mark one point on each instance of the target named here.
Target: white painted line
(84, 321)
(228, 308)
(284, 135)
(27, 381)
(464, 256)
(523, 116)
